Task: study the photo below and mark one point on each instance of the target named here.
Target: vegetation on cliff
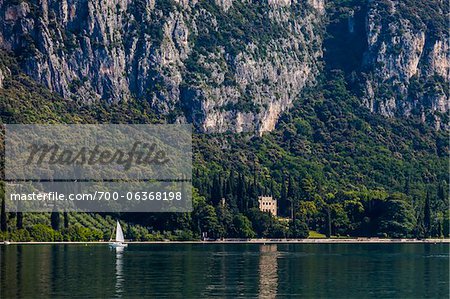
(333, 161)
(333, 166)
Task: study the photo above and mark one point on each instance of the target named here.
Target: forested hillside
(356, 147)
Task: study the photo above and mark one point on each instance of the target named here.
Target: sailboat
(119, 242)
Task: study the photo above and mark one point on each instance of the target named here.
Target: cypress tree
(55, 219)
(328, 222)
(408, 185)
(291, 196)
(290, 188)
(241, 193)
(216, 190)
(66, 219)
(3, 220)
(227, 186)
(284, 207)
(230, 185)
(19, 220)
(441, 192)
(427, 215)
(254, 187)
(219, 188)
(250, 194)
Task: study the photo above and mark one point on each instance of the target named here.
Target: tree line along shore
(256, 241)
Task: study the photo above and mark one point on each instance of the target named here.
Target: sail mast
(112, 234)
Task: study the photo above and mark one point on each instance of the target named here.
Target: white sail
(119, 233)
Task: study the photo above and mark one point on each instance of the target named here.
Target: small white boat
(119, 241)
(6, 242)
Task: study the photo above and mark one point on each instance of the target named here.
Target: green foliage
(262, 222)
(42, 233)
(427, 215)
(204, 215)
(242, 227)
(339, 220)
(55, 220)
(21, 235)
(332, 164)
(398, 220)
(138, 233)
(81, 234)
(298, 229)
(3, 217)
(182, 235)
(279, 229)
(446, 224)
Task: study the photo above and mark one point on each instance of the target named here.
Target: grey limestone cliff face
(408, 60)
(225, 65)
(228, 65)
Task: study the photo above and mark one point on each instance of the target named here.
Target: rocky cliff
(231, 65)
(224, 65)
(406, 64)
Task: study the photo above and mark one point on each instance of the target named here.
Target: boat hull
(117, 245)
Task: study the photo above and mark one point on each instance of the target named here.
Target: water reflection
(268, 271)
(225, 271)
(119, 272)
(19, 272)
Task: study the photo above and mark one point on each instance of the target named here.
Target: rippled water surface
(226, 270)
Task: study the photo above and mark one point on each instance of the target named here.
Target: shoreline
(255, 241)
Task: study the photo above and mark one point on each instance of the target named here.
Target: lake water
(226, 270)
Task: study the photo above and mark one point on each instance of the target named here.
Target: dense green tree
(440, 225)
(398, 220)
(55, 219)
(355, 213)
(241, 194)
(261, 222)
(427, 215)
(283, 200)
(308, 210)
(66, 219)
(298, 229)
(242, 227)
(340, 223)
(225, 218)
(3, 217)
(216, 190)
(441, 191)
(206, 217)
(308, 188)
(78, 233)
(446, 225)
(279, 229)
(408, 185)
(42, 233)
(21, 235)
(326, 212)
(19, 220)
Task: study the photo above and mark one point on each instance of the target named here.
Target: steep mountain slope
(397, 55)
(230, 65)
(354, 94)
(327, 145)
(409, 59)
(233, 65)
